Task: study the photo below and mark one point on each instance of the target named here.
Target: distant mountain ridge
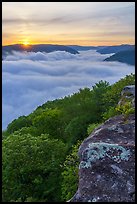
(37, 48)
(103, 49)
(115, 48)
(126, 56)
(123, 53)
(85, 48)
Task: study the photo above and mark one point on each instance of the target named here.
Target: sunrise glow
(81, 23)
(26, 43)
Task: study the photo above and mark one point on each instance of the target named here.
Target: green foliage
(79, 104)
(109, 113)
(77, 129)
(70, 173)
(49, 122)
(4, 134)
(91, 127)
(31, 167)
(125, 108)
(36, 146)
(16, 124)
(99, 89)
(112, 96)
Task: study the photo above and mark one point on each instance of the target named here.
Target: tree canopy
(39, 151)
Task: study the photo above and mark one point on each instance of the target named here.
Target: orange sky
(81, 23)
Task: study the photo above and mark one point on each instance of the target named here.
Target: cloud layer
(31, 79)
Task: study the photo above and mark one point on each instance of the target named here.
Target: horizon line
(31, 44)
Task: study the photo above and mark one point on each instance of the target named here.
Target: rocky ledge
(107, 163)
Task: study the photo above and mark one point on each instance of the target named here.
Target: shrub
(70, 173)
(91, 127)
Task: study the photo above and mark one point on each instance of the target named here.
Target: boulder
(107, 163)
(128, 94)
(129, 90)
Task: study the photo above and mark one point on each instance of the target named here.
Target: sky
(31, 79)
(67, 23)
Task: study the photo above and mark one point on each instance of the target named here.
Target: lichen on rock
(96, 151)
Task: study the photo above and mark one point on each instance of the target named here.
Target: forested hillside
(39, 152)
(126, 56)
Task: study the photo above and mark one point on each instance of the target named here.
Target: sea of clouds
(31, 79)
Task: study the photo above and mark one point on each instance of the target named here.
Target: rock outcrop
(128, 93)
(107, 163)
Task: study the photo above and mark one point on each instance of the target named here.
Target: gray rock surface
(128, 93)
(107, 163)
(129, 90)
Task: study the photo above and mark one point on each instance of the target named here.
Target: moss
(96, 151)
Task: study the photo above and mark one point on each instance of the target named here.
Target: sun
(26, 43)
